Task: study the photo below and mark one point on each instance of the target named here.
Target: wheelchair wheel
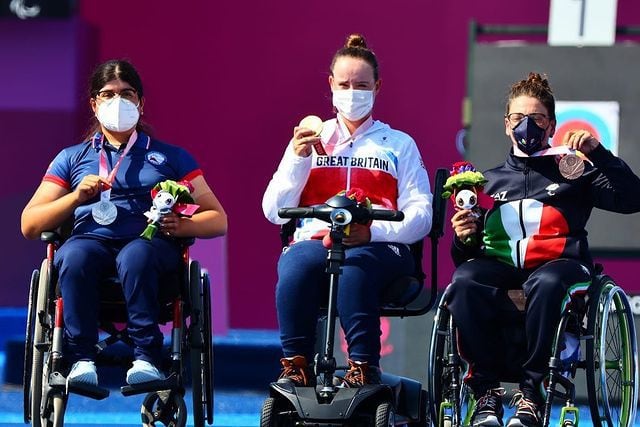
(612, 358)
(207, 353)
(28, 345)
(270, 414)
(41, 321)
(165, 407)
(200, 341)
(385, 416)
(447, 393)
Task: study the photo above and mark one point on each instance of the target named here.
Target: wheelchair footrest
(87, 390)
(171, 383)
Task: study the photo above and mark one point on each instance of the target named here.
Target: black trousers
(478, 301)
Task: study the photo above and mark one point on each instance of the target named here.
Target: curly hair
(535, 86)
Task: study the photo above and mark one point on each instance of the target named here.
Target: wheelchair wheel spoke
(613, 358)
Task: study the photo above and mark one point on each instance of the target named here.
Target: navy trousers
(303, 286)
(477, 299)
(82, 261)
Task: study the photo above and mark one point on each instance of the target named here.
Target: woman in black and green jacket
(532, 238)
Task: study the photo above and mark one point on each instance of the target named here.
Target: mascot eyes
(466, 199)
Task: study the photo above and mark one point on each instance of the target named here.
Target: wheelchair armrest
(50, 236)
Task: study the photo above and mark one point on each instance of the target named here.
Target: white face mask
(118, 114)
(353, 104)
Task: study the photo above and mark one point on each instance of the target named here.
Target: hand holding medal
(304, 137)
(104, 212)
(571, 165)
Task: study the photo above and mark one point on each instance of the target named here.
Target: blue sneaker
(143, 372)
(83, 371)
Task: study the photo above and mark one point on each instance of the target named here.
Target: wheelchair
(185, 303)
(601, 326)
(397, 400)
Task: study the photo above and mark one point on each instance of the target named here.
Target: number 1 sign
(582, 22)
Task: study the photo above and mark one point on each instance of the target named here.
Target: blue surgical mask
(529, 136)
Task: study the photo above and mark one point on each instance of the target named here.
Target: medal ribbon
(554, 151)
(103, 171)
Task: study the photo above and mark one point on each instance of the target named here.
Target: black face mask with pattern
(529, 136)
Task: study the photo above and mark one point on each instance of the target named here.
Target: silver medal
(104, 212)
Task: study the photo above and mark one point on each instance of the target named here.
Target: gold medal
(315, 124)
(571, 166)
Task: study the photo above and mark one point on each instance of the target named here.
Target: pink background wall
(229, 80)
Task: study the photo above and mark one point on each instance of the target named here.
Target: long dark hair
(115, 69)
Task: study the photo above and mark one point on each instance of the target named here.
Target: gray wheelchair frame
(188, 309)
(604, 325)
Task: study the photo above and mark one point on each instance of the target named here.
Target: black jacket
(538, 215)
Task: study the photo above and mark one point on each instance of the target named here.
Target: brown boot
(360, 373)
(296, 370)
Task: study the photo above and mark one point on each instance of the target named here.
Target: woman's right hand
(90, 186)
(464, 223)
(303, 140)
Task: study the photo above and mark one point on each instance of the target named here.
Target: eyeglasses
(540, 119)
(128, 94)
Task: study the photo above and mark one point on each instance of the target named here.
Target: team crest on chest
(156, 158)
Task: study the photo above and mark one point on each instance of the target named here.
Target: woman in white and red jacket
(533, 238)
(355, 152)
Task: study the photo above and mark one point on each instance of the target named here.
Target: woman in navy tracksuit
(532, 238)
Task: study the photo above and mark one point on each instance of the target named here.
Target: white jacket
(383, 162)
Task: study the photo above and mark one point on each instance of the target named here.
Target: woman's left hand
(359, 234)
(170, 224)
(580, 140)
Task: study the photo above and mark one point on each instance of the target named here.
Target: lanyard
(103, 170)
(554, 151)
(338, 135)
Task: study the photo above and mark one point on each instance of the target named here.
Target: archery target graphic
(601, 118)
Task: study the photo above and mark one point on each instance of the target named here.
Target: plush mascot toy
(463, 186)
(357, 195)
(168, 196)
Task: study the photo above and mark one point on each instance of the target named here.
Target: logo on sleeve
(552, 188)
(156, 158)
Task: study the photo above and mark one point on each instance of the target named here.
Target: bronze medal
(571, 166)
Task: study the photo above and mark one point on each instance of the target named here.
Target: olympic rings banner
(601, 118)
